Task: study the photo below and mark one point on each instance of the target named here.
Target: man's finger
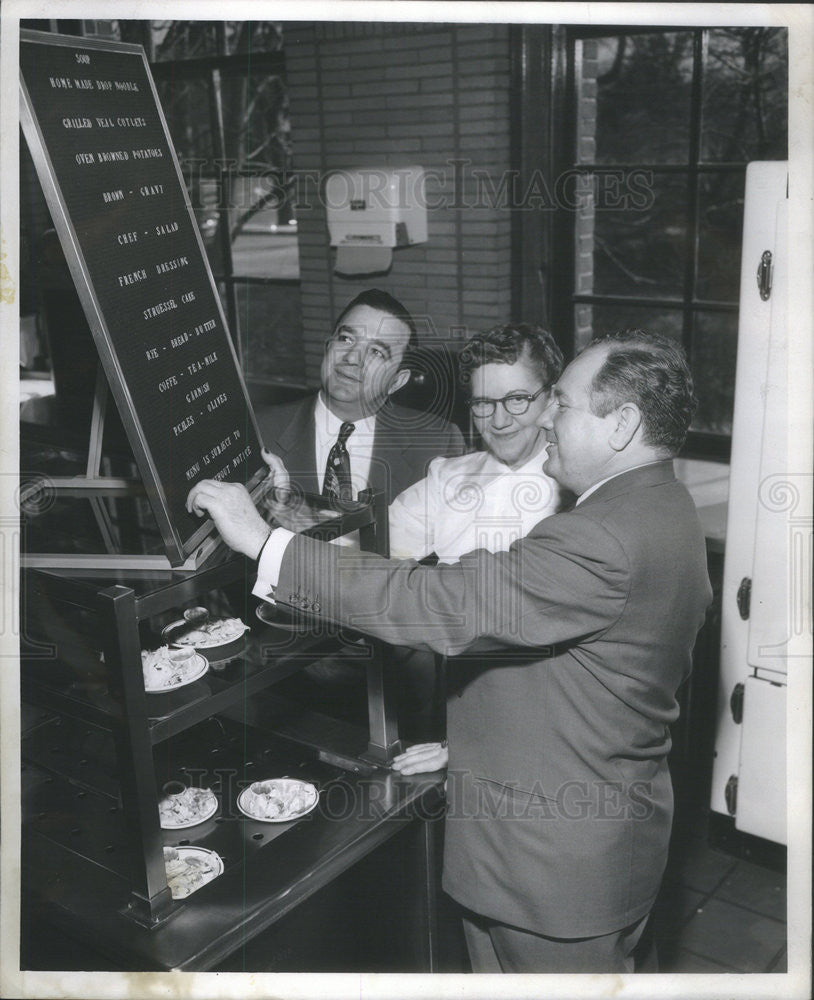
(203, 492)
(417, 748)
(422, 757)
(277, 477)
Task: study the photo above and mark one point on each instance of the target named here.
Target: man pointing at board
(569, 650)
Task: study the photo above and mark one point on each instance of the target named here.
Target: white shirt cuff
(269, 563)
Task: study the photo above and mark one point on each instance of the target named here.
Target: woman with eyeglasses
(491, 497)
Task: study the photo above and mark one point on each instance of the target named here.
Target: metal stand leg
(384, 740)
(150, 897)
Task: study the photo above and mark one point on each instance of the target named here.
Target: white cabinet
(761, 796)
(766, 590)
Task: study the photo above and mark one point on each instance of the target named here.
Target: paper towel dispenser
(370, 211)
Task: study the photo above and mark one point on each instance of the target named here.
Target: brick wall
(393, 95)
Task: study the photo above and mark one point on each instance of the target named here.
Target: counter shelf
(71, 615)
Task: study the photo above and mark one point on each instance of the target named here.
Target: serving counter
(99, 752)
(314, 894)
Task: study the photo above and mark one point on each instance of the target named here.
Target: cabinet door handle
(764, 275)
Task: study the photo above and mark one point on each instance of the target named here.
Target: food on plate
(196, 638)
(173, 863)
(188, 807)
(165, 667)
(213, 633)
(279, 798)
(187, 871)
(196, 616)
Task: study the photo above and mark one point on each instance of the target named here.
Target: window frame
(210, 70)
(564, 296)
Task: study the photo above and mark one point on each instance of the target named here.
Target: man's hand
(233, 511)
(282, 506)
(422, 757)
(277, 484)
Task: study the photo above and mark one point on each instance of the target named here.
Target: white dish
(213, 635)
(179, 672)
(282, 791)
(190, 868)
(200, 803)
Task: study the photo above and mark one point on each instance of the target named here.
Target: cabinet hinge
(736, 703)
(731, 794)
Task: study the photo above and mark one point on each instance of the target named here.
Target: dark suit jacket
(575, 641)
(404, 444)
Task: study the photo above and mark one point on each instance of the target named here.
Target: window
(223, 91)
(663, 125)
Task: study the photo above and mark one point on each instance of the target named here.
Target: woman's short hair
(504, 345)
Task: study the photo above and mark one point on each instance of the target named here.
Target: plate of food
(187, 808)
(166, 669)
(189, 868)
(214, 637)
(277, 800)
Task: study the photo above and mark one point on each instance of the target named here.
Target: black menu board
(97, 134)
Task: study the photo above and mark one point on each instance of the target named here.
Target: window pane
(720, 225)
(598, 320)
(253, 36)
(255, 120)
(174, 40)
(634, 98)
(266, 247)
(186, 108)
(745, 93)
(271, 314)
(206, 202)
(638, 250)
(714, 349)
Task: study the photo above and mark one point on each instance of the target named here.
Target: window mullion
(224, 199)
(691, 243)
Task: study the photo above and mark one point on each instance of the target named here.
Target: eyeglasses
(516, 403)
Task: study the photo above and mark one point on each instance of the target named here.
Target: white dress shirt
(464, 503)
(359, 445)
(470, 502)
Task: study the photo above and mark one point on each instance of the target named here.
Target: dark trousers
(496, 947)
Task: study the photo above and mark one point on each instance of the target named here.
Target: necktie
(337, 484)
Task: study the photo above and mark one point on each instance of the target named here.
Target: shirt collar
(328, 423)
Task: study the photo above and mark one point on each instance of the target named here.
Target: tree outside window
(666, 122)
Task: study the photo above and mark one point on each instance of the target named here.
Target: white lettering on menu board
(114, 162)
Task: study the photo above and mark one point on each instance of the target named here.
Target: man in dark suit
(352, 426)
(571, 648)
(366, 360)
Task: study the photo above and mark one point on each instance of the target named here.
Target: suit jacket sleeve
(567, 580)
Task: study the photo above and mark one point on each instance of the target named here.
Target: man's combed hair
(503, 345)
(651, 371)
(384, 302)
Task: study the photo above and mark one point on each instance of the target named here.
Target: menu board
(91, 116)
